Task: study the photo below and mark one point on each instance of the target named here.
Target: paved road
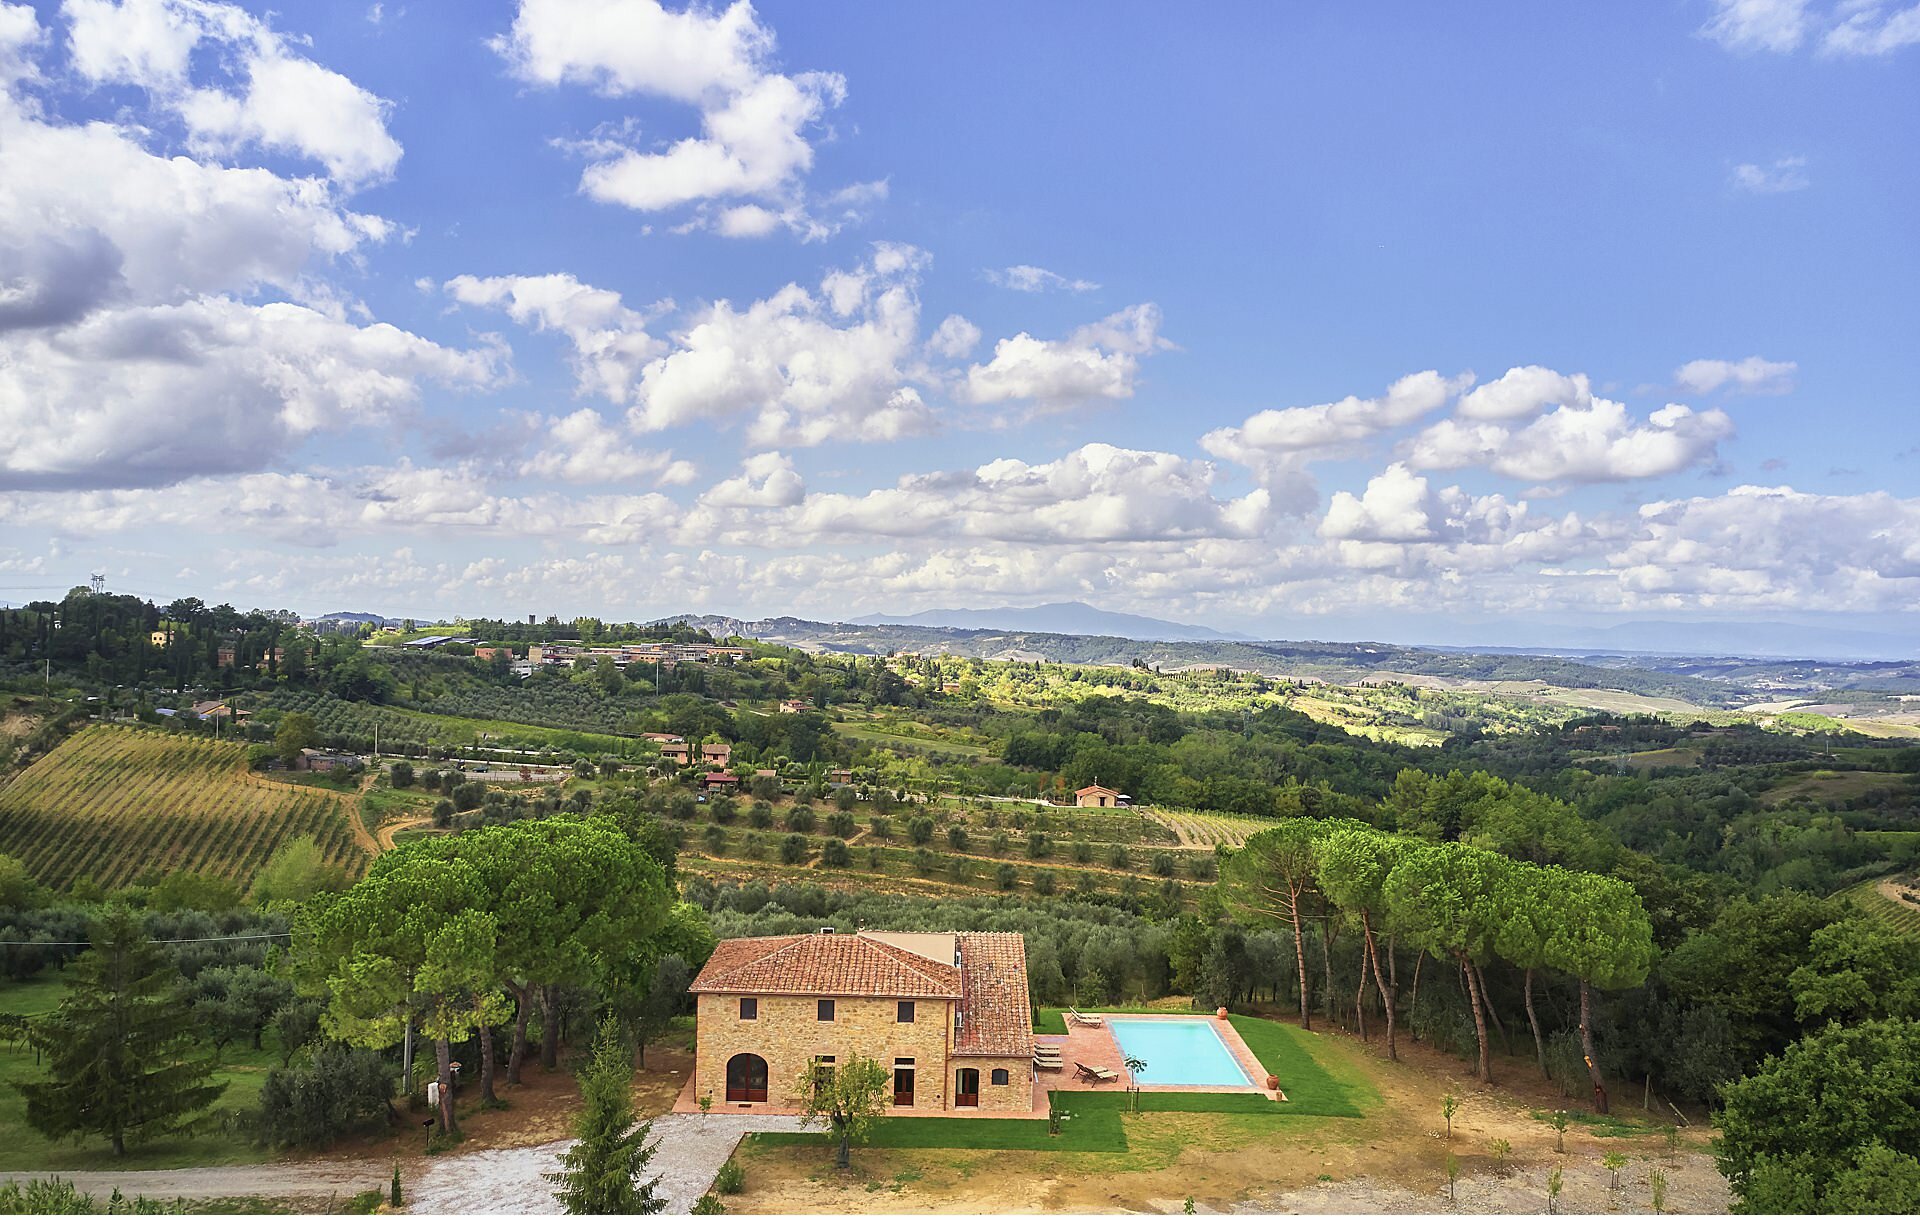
(692, 1147)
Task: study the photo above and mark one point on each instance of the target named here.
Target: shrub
(957, 838)
(1119, 856)
(1203, 868)
(468, 795)
(793, 849)
(682, 806)
(875, 859)
(840, 825)
(960, 870)
(923, 861)
(731, 1178)
(401, 774)
(834, 854)
(716, 839)
(1006, 876)
(1082, 852)
(754, 846)
(1162, 864)
(724, 809)
(443, 812)
(1037, 845)
(843, 799)
(1001, 843)
(709, 1205)
(760, 815)
(1043, 882)
(800, 818)
(336, 1091)
(881, 825)
(920, 830)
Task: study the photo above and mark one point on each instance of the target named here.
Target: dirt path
(390, 829)
(311, 1180)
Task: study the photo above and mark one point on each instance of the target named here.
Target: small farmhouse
(1093, 796)
(947, 1013)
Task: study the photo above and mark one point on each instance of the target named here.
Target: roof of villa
(826, 964)
(997, 1019)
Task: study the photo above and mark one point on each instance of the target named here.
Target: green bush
(793, 849)
(731, 1178)
(335, 1091)
(800, 819)
(834, 854)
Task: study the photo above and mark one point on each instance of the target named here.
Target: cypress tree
(121, 1055)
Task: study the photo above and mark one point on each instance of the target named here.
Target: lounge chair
(1047, 1054)
(1098, 1075)
(1048, 1063)
(1081, 1018)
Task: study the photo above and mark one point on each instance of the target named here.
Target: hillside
(114, 804)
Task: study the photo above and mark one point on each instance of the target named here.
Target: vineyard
(352, 725)
(113, 805)
(1895, 902)
(1208, 829)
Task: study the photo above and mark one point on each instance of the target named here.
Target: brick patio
(687, 1103)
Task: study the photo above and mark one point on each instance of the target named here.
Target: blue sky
(1290, 319)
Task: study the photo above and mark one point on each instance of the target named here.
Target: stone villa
(947, 1013)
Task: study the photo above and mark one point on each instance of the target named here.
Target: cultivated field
(113, 804)
(1893, 900)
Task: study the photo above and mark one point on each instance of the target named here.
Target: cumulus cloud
(807, 366)
(1292, 431)
(277, 100)
(1101, 360)
(1525, 391)
(143, 396)
(766, 480)
(1596, 443)
(1398, 506)
(20, 36)
(1848, 27)
(754, 150)
(955, 337)
(583, 448)
(1783, 176)
(1025, 277)
(1753, 375)
(1869, 29)
(609, 341)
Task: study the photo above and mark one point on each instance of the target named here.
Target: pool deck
(1095, 1046)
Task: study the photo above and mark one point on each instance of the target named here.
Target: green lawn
(242, 1069)
(1091, 1129)
(1311, 1073)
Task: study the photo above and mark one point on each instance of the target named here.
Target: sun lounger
(1048, 1063)
(1098, 1075)
(1080, 1018)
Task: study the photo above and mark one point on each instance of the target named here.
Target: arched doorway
(746, 1078)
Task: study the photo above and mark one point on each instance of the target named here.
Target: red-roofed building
(720, 781)
(1093, 796)
(947, 1013)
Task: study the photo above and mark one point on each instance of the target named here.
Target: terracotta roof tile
(997, 1017)
(826, 964)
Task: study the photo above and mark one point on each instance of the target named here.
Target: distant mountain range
(1716, 639)
(1058, 618)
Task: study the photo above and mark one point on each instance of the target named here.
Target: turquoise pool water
(1178, 1051)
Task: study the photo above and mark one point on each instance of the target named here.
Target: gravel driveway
(692, 1147)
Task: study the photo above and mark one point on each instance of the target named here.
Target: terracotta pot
(1273, 1084)
(1222, 1014)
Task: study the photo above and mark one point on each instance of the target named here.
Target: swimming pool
(1178, 1051)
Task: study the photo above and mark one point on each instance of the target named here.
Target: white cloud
(1758, 25)
(1291, 431)
(1525, 391)
(807, 367)
(754, 144)
(1870, 30)
(1597, 443)
(280, 101)
(1785, 175)
(149, 395)
(1101, 360)
(582, 448)
(610, 343)
(766, 480)
(20, 37)
(955, 337)
(1753, 375)
(1027, 278)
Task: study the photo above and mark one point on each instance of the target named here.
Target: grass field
(243, 1070)
(114, 804)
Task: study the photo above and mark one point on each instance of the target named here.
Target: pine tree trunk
(1479, 1021)
(1388, 990)
(1300, 961)
(443, 1056)
(1586, 1048)
(1533, 1019)
(1413, 1001)
(1499, 1026)
(1326, 962)
(522, 1010)
(1360, 997)
(550, 1027)
(486, 1065)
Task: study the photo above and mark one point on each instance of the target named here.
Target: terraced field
(1896, 901)
(113, 804)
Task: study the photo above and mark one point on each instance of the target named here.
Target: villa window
(826, 1010)
(749, 1008)
(904, 1015)
(999, 1075)
(822, 1072)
